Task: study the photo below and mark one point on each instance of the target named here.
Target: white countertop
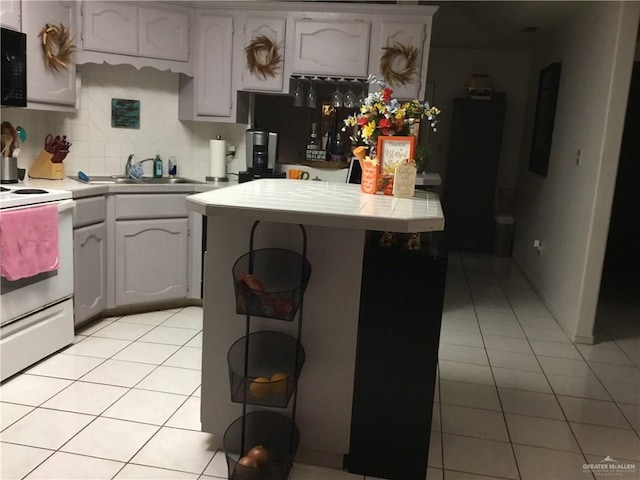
(323, 204)
(80, 189)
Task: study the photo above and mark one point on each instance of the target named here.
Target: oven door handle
(65, 205)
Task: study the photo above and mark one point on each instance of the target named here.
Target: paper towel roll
(218, 158)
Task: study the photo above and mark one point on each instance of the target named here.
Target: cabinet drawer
(89, 211)
(164, 205)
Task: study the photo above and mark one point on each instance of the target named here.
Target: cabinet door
(274, 30)
(90, 271)
(151, 260)
(405, 34)
(45, 85)
(163, 34)
(213, 65)
(110, 27)
(10, 14)
(334, 48)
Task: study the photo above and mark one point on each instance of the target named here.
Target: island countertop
(323, 204)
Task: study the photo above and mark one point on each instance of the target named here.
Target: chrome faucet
(127, 167)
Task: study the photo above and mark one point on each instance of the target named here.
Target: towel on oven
(28, 241)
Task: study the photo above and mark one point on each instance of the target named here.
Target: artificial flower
(380, 114)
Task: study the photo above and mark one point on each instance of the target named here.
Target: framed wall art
(546, 102)
(393, 150)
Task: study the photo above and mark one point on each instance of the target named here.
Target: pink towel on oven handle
(28, 241)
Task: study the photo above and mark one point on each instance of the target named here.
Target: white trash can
(503, 236)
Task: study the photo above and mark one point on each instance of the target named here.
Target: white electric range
(37, 312)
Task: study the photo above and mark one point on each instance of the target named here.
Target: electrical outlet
(537, 246)
(579, 157)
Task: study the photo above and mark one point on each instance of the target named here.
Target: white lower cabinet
(90, 271)
(151, 260)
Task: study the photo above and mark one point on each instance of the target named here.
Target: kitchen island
(378, 428)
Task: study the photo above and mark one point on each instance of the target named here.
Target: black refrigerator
(472, 167)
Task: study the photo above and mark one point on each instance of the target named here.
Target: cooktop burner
(25, 195)
(29, 191)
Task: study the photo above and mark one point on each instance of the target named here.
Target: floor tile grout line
(506, 293)
(495, 385)
(553, 391)
(100, 414)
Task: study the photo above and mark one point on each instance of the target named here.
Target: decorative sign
(404, 180)
(125, 113)
(369, 181)
(393, 150)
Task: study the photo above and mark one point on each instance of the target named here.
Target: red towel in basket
(28, 241)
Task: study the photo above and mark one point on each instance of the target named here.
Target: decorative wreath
(263, 57)
(57, 46)
(408, 54)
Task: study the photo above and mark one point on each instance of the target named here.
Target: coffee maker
(261, 146)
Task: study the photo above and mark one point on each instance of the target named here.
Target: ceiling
(484, 24)
(479, 24)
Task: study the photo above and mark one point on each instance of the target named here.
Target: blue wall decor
(125, 113)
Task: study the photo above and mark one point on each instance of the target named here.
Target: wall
(97, 148)
(569, 208)
(450, 71)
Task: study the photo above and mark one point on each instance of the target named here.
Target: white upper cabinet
(10, 14)
(208, 92)
(274, 29)
(48, 89)
(337, 48)
(147, 34)
(213, 65)
(163, 34)
(110, 27)
(408, 35)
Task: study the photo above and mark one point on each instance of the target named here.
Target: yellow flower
(368, 130)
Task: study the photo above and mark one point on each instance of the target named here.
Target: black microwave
(14, 68)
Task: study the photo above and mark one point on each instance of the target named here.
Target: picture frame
(547, 99)
(394, 149)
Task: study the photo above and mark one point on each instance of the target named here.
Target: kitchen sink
(121, 179)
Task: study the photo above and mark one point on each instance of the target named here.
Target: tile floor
(515, 398)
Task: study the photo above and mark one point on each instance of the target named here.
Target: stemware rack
(264, 366)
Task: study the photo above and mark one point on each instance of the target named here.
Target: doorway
(618, 313)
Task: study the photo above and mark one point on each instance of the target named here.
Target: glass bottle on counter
(338, 149)
(314, 139)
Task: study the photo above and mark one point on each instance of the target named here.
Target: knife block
(43, 167)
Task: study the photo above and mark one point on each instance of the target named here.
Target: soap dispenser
(157, 167)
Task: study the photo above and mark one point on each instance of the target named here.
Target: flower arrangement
(380, 114)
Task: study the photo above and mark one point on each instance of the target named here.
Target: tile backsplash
(99, 149)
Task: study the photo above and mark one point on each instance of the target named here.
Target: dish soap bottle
(157, 167)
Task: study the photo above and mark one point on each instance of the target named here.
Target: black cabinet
(472, 165)
(401, 300)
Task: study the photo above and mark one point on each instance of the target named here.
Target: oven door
(28, 295)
